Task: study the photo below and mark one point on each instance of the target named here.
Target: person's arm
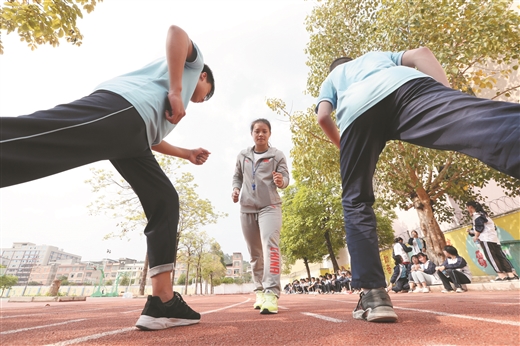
(424, 60)
(430, 269)
(281, 174)
(326, 122)
(196, 156)
(237, 180)
(460, 263)
(179, 49)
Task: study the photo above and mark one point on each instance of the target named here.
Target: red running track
(471, 318)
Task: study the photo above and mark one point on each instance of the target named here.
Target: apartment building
(22, 257)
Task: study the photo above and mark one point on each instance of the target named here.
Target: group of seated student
(421, 273)
(324, 284)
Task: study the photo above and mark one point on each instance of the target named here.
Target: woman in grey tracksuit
(259, 171)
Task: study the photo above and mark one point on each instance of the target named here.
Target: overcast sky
(256, 51)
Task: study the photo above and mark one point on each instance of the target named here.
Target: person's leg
(270, 224)
(445, 281)
(434, 116)
(496, 257)
(361, 144)
(251, 231)
(160, 202)
(101, 126)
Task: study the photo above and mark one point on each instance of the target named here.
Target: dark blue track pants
(425, 113)
(101, 126)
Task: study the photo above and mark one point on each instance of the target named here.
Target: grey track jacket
(261, 175)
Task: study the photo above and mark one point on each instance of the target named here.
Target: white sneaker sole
(151, 323)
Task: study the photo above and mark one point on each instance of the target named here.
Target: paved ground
(471, 318)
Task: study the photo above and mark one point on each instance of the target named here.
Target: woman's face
(415, 260)
(261, 134)
(470, 210)
(422, 259)
(415, 234)
(447, 254)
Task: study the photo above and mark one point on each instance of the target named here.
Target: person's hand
(234, 194)
(198, 156)
(176, 111)
(278, 179)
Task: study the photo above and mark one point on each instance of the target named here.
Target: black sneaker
(157, 315)
(375, 306)
(513, 278)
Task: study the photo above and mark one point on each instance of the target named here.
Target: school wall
(508, 226)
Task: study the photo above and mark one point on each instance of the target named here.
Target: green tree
(7, 281)
(125, 280)
(182, 279)
(212, 270)
(39, 22)
(482, 34)
(313, 225)
(64, 280)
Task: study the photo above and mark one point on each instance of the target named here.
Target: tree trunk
(306, 262)
(55, 287)
(187, 276)
(435, 240)
(335, 265)
(143, 276)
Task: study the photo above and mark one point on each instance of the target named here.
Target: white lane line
(14, 316)
(38, 327)
(282, 307)
(92, 337)
(321, 317)
(511, 323)
(124, 330)
(224, 308)
(127, 312)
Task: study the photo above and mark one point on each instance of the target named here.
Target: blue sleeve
(327, 93)
(431, 268)
(395, 274)
(198, 63)
(479, 223)
(396, 57)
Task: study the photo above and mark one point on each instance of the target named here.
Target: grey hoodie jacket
(256, 182)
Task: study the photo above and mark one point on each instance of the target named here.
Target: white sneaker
(425, 290)
(417, 290)
(460, 290)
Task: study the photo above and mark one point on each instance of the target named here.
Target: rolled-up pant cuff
(161, 269)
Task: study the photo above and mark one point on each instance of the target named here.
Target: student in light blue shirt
(406, 96)
(123, 121)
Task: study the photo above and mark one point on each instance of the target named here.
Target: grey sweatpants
(262, 234)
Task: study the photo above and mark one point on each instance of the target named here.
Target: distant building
(22, 257)
(235, 268)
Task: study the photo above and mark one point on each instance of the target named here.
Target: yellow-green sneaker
(270, 305)
(259, 300)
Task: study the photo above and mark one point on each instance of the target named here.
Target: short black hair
(339, 61)
(451, 250)
(398, 259)
(210, 79)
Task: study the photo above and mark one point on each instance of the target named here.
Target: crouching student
(399, 279)
(425, 275)
(454, 270)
